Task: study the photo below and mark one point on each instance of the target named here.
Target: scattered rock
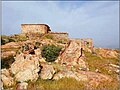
(93, 79)
(7, 54)
(11, 45)
(107, 53)
(47, 71)
(70, 74)
(25, 67)
(22, 86)
(6, 78)
(115, 68)
(113, 65)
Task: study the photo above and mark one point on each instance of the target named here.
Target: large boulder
(73, 55)
(47, 71)
(26, 67)
(6, 77)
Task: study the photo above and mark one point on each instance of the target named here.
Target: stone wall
(35, 28)
(59, 34)
(85, 42)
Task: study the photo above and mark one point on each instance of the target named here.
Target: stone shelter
(35, 28)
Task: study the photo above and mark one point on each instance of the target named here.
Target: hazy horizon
(81, 19)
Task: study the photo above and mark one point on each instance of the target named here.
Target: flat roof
(58, 32)
(34, 24)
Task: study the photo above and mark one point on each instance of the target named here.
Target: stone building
(35, 28)
(32, 30)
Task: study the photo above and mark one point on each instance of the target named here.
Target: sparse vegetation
(13, 38)
(50, 52)
(63, 41)
(102, 64)
(6, 62)
(48, 36)
(70, 84)
(6, 39)
(62, 84)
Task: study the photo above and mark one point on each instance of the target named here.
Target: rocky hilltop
(26, 60)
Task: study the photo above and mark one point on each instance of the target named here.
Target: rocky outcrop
(107, 53)
(22, 86)
(8, 54)
(72, 55)
(6, 77)
(93, 79)
(47, 71)
(11, 45)
(70, 74)
(25, 67)
(9, 49)
(115, 68)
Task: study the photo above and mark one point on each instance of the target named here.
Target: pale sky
(81, 19)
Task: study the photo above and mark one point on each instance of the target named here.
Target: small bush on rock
(50, 52)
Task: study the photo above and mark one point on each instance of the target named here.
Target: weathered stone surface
(9, 49)
(6, 78)
(82, 63)
(115, 68)
(22, 86)
(107, 53)
(35, 28)
(7, 54)
(72, 54)
(93, 79)
(1, 85)
(11, 45)
(38, 54)
(47, 71)
(25, 67)
(70, 74)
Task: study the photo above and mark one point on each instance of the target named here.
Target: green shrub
(50, 52)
